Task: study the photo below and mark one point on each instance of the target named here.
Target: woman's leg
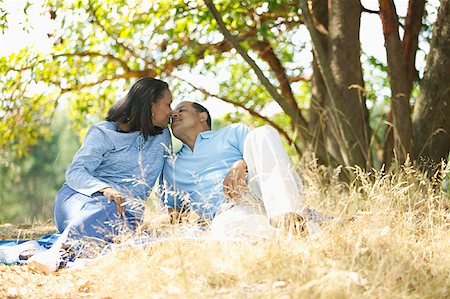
(91, 217)
(85, 223)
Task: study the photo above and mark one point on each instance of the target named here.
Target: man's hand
(234, 184)
(114, 195)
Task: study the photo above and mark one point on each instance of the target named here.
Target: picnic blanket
(10, 250)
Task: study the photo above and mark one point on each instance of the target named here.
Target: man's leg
(272, 178)
(244, 218)
(275, 191)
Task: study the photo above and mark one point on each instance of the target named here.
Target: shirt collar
(202, 135)
(207, 134)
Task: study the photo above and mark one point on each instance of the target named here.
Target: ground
(397, 248)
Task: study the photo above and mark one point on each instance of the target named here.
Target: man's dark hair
(200, 108)
(136, 107)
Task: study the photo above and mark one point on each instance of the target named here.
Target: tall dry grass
(396, 248)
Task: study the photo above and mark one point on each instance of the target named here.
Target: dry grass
(397, 249)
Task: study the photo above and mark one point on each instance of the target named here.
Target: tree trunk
(410, 41)
(319, 122)
(431, 117)
(351, 149)
(344, 53)
(413, 23)
(400, 89)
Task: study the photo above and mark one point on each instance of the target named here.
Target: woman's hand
(234, 184)
(114, 195)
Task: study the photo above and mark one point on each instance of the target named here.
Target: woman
(118, 163)
(114, 170)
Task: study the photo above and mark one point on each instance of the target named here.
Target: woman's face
(161, 110)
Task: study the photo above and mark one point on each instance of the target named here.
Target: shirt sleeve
(241, 132)
(80, 175)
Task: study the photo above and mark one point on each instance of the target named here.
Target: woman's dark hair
(201, 108)
(135, 108)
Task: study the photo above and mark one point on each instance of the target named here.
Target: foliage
(3, 22)
(100, 46)
(29, 185)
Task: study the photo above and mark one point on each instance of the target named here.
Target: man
(242, 180)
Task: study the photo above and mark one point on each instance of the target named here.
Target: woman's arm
(80, 174)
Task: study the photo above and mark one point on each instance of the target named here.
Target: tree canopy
(258, 52)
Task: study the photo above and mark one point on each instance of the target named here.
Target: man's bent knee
(265, 131)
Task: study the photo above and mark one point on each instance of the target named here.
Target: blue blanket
(10, 250)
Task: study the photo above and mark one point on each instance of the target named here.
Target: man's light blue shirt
(194, 179)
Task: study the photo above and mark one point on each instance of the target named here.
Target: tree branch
(128, 75)
(377, 12)
(413, 23)
(222, 46)
(299, 78)
(363, 9)
(267, 53)
(93, 54)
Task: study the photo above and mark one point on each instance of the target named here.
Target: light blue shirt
(195, 179)
(125, 161)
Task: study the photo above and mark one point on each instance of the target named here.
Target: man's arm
(234, 184)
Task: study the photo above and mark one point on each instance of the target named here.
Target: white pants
(274, 189)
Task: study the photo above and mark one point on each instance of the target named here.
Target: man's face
(184, 117)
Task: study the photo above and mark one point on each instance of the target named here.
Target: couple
(121, 158)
